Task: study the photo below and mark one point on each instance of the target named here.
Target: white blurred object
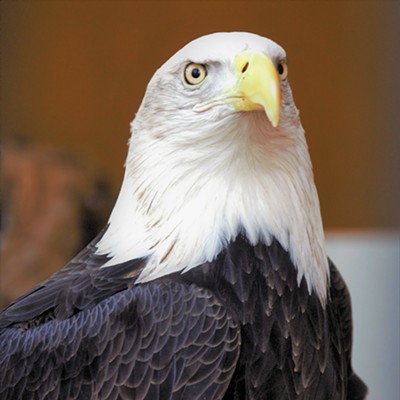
(370, 264)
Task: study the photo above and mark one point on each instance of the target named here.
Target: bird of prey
(210, 280)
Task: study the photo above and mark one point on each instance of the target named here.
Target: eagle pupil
(196, 73)
(280, 69)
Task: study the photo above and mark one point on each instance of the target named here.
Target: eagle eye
(195, 73)
(282, 69)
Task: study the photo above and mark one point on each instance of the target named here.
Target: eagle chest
(284, 329)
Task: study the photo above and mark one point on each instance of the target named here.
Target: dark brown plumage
(239, 326)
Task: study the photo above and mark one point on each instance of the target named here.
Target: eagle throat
(179, 206)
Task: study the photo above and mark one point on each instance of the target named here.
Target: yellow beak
(257, 86)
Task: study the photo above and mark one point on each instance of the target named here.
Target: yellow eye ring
(282, 69)
(195, 73)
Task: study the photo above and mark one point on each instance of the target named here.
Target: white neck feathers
(184, 197)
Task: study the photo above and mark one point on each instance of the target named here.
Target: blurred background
(73, 75)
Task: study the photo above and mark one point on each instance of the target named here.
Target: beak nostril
(244, 69)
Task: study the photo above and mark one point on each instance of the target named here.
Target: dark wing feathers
(79, 285)
(341, 315)
(175, 340)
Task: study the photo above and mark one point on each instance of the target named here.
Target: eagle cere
(210, 280)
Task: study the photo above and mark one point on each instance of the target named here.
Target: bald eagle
(210, 280)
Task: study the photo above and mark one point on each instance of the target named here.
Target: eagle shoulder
(157, 340)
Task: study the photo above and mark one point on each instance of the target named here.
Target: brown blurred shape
(51, 208)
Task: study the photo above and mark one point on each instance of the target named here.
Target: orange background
(73, 75)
